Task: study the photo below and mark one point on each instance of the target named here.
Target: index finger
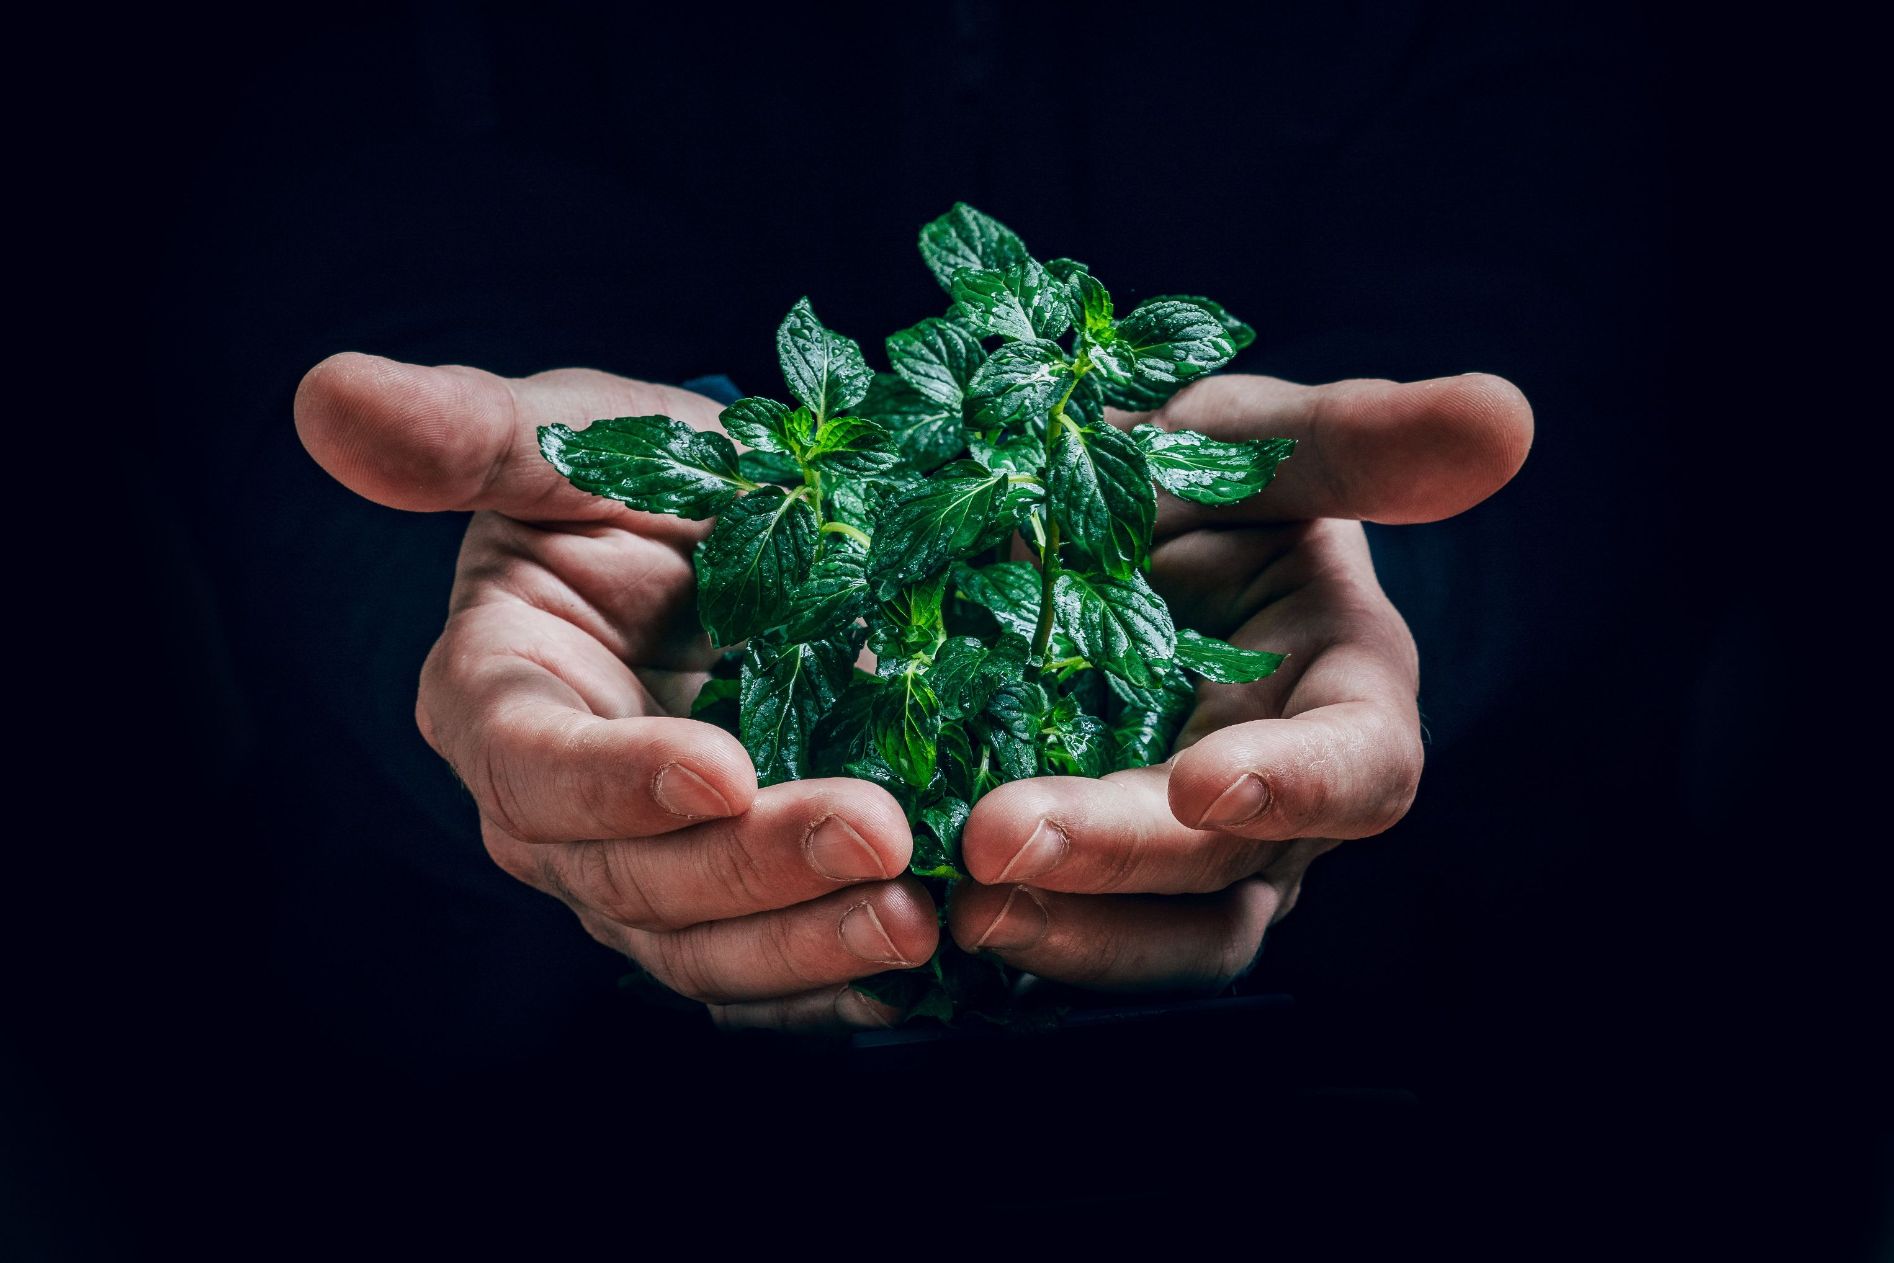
(1376, 451)
(432, 439)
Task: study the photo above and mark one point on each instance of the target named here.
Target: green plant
(884, 510)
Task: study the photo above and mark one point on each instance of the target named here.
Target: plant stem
(843, 528)
(1048, 575)
(1049, 548)
(813, 481)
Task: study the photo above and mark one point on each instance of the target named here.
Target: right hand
(556, 691)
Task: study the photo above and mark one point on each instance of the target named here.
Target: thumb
(430, 439)
(1377, 451)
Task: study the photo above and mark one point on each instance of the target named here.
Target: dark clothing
(1401, 191)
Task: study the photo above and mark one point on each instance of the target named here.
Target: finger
(1118, 942)
(796, 842)
(1328, 746)
(830, 1009)
(546, 765)
(849, 934)
(427, 439)
(1083, 836)
(1347, 770)
(1379, 451)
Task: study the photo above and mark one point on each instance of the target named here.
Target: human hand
(558, 691)
(1168, 876)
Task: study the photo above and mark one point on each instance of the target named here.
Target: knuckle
(1222, 864)
(730, 864)
(680, 961)
(596, 798)
(609, 882)
(780, 944)
(1095, 959)
(492, 782)
(1117, 867)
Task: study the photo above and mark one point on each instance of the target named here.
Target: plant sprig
(878, 511)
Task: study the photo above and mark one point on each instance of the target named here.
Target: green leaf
(653, 464)
(937, 841)
(854, 445)
(854, 501)
(1087, 404)
(1008, 589)
(841, 736)
(938, 358)
(1017, 453)
(1100, 491)
(1010, 727)
(716, 703)
(1075, 743)
(955, 675)
(1150, 718)
(966, 673)
(1019, 382)
(834, 595)
(958, 770)
(1092, 301)
(1175, 341)
(1241, 335)
(786, 690)
(1223, 662)
(905, 724)
(928, 434)
(1112, 361)
(1137, 394)
(1194, 466)
(909, 624)
(1022, 302)
(825, 371)
(759, 423)
(753, 562)
(761, 467)
(945, 518)
(965, 238)
(1120, 625)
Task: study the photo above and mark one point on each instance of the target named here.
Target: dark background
(305, 995)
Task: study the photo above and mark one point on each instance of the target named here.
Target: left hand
(1167, 877)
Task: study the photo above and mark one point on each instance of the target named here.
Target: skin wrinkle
(746, 872)
(526, 574)
(616, 889)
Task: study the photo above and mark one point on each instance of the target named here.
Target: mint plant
(886, 511)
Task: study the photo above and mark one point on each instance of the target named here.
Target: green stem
(1048, 574)
(813, 481)
(1049, 547)
(843, 528)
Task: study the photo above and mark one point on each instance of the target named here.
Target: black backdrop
(334, 995)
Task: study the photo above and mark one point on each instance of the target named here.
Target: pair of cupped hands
(560, 686)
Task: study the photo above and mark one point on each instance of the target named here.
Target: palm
(607, 608)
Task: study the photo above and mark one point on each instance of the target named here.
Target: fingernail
(863, 935)
(1242, 801)
(1040, 854)
(1021, 923)
(856, 1009)
(835, 850)
(682, 792)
